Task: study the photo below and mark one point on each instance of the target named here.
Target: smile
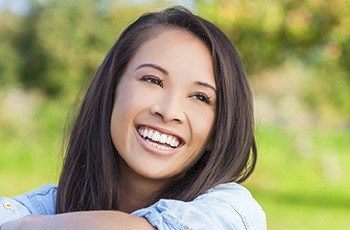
(158, 139)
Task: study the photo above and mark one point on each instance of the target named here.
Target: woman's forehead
(178, 52)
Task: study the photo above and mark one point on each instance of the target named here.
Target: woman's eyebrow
(164, 71)
(154, 66)
(206, 85)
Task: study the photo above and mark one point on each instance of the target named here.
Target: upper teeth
(159, 137)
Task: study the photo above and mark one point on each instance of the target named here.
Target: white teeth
(150, 134)
(155, 145)
(172, 143)
(145, 133)
(155, 136)
(163, 138)
(168, 140)
(159, 137)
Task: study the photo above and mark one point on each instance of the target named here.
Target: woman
(165, 133)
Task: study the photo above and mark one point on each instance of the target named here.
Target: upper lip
(163, 130)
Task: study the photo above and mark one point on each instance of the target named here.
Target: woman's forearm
(81, 220)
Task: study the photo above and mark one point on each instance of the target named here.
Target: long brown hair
(90, 177)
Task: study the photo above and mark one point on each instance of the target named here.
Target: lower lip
(151, 149)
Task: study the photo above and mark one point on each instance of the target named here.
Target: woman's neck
(134, 197)
(137, 192)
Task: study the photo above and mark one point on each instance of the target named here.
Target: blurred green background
(297, 55)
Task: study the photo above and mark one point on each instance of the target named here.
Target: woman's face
(164, 106)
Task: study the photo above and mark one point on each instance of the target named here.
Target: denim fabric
(226, 206)
(41, 201)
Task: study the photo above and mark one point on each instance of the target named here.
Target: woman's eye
(201, 97)
(152, 79)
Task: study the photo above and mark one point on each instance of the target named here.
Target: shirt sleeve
(227, 206)
(11, 210)
(41, 201)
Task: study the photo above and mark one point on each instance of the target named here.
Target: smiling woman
(164, 102)
(165, 132)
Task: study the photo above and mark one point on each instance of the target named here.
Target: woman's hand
(80, 220)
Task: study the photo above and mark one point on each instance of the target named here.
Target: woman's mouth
(158, 139)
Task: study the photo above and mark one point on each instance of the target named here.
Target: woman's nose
(169, 108)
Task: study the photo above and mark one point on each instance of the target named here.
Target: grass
(303, 185)
(30, 153)
(300, 180)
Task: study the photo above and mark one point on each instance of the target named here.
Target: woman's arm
(227, 206)
(80, 220)
(15, 213)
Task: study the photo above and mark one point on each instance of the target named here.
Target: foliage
(61, 43)
(58, 45)
(11, 61)
(315, 32)
(269, 32)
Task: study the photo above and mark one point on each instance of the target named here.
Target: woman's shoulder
(41, 201)
(238, 200)
(227, 190)
(226, 206)
(233, 194)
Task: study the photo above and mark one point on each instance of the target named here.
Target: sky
(16, 6)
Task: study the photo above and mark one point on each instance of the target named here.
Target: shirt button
(8, 205)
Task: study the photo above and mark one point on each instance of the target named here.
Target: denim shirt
(226, 206)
